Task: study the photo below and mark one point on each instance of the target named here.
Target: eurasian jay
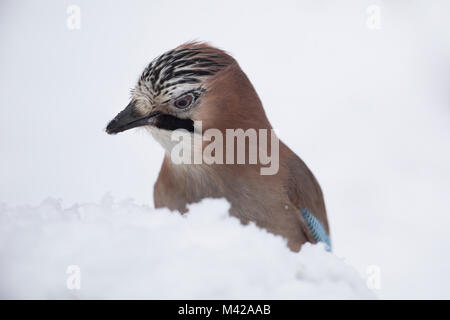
(197, 82)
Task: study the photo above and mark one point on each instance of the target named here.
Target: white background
(367, 110)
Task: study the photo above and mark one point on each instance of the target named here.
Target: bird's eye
(184, 101)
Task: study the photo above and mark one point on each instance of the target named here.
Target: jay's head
(191, 82)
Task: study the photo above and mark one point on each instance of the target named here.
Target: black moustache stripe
(168, 122)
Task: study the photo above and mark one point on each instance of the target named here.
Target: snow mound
(125, 250)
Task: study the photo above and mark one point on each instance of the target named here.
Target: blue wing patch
(317, 229)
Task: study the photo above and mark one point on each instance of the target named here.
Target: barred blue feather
(317, 229)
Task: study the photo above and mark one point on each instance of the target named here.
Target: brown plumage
(219, 94)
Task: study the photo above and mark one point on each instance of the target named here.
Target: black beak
(129, 118)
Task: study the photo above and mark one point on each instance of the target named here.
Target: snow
(125, 250)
